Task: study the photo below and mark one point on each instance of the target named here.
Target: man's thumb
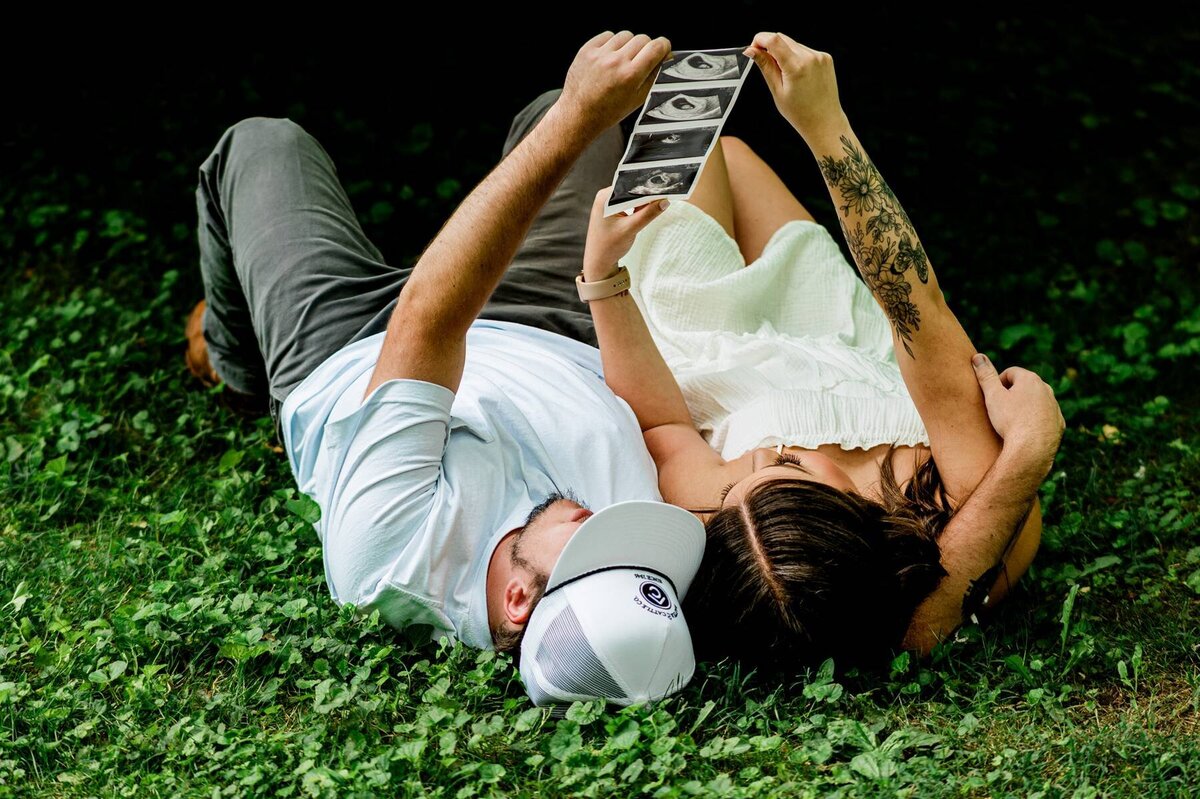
(985, 372)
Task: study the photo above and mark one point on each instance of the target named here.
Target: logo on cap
(655, 595)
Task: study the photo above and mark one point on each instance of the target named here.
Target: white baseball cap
(609, 624)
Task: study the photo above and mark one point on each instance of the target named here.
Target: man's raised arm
(426, 335)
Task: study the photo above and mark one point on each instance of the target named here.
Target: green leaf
(1188, 191)
(294, 609)
(1065, 616)
(1100, 563)
(1013, 334)
(583, 713)
(566, 740)
(304, 507)
(19, 597)
(1172, 211)
(528, 719)
(230, 459)
(491, 772)
(708, 708)
(57, 465)
(14, 449)
(873, 765)
(448, 188)
(1135, 334)
(626, 735)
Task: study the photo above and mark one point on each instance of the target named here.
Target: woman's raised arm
(635, 369)
(934, 352)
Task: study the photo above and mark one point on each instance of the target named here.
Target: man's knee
(258, 133)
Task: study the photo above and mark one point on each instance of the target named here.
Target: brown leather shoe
(197, 350)
(198, 364)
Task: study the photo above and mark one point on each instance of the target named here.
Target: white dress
(791, 349)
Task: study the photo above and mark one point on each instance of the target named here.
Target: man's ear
(518, 601)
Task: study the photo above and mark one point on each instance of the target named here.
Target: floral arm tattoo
(882, 239)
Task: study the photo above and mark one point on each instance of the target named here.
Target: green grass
(165, 628)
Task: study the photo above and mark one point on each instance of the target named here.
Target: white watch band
(599, 289)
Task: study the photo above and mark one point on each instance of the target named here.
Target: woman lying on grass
(854, 501)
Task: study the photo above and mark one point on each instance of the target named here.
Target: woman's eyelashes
(725, 491)
(786, 459)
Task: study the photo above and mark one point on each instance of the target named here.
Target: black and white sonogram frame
(668, 144)
(634, 186)
(678, 126)
(698, 65)
(686, 104)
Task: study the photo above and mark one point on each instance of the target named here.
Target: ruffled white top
(791, 349)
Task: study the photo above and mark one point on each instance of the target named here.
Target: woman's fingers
(767, 66)
(601, 199)
(644, 215)
(799, 48)
(779, 49)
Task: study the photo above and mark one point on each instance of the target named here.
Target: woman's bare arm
(635, 369)
(933, 351)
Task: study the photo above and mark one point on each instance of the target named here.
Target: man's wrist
(1027, 455)
(570, 119)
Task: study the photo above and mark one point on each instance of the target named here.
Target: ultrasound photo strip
(665, 145)
(690, 66)
(679, 124)
(632, 187)
(686, 104)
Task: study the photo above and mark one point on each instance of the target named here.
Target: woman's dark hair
(801, 571)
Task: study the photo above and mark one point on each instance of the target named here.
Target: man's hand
(1021, 408)
(801, 81)
(610, 237)
(610, 77)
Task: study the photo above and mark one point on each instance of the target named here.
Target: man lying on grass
(451, 419)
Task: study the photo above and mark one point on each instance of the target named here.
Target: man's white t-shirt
(417, 485)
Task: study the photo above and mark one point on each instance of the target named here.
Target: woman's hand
(1021, 407)
(801, 81)
(610, 237)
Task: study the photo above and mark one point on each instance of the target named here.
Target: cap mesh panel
(569, 663)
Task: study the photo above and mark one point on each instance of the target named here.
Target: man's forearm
(463, 264)
(453, 278)
(976, 538)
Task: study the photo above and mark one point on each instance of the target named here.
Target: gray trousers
(290, 277)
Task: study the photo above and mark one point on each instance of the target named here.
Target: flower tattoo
(886, 247)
